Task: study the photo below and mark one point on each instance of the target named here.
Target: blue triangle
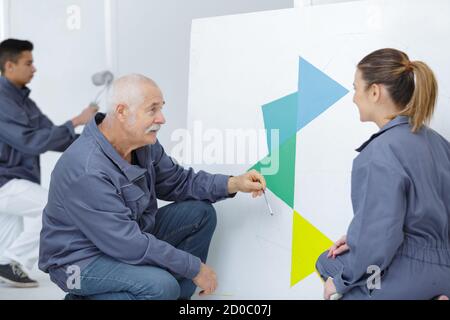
(316, 93)
(281, 114)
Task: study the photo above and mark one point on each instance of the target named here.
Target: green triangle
(308, 243)
(282, 183)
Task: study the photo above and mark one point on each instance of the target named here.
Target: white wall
(148, 37)
(3, 20)
(153, 37)
(64, 58)
(301, 3)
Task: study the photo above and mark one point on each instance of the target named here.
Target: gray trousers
(405, 279)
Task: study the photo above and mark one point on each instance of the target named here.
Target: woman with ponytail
(398, 243)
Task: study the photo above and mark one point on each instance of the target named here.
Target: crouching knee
(165, 289)
(321, 262)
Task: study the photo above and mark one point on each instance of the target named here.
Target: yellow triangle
(308, 243)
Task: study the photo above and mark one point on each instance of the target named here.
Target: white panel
(239, 63)
(153, 39)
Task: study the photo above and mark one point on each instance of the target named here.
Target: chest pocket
(134, 199)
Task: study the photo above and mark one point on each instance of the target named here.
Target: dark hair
(411, 84)
(11, 49)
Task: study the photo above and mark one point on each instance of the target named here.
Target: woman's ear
(375, 92)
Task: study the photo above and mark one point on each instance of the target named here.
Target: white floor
(47, 290)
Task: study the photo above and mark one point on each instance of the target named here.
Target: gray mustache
(155, 127)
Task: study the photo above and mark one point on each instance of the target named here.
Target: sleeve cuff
(230, 195)
(222, 187)
(193, 268)
(341, 288)
(69, 125)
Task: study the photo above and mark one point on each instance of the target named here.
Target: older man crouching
(103, 235)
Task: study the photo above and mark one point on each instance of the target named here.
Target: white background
(150, 37)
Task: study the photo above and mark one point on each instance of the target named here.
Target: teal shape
(281, 115)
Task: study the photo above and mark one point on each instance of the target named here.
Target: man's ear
(122, 112)
(9, 65)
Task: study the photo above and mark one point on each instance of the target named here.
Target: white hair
(128, 90)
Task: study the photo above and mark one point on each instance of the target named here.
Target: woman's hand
(339, 247)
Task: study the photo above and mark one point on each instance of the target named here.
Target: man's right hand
(339, 247)
(85, 116)
(206, 280)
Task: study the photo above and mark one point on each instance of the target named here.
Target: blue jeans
(188, 226)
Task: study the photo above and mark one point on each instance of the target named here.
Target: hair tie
(409, 66)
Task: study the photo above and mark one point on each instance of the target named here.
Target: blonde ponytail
(421, 107)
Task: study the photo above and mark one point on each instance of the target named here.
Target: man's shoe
(14, 275)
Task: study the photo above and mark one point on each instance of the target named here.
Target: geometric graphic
(289, 78)
(282, 115)
(316, 93)
(308, 243)
(282, 183)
